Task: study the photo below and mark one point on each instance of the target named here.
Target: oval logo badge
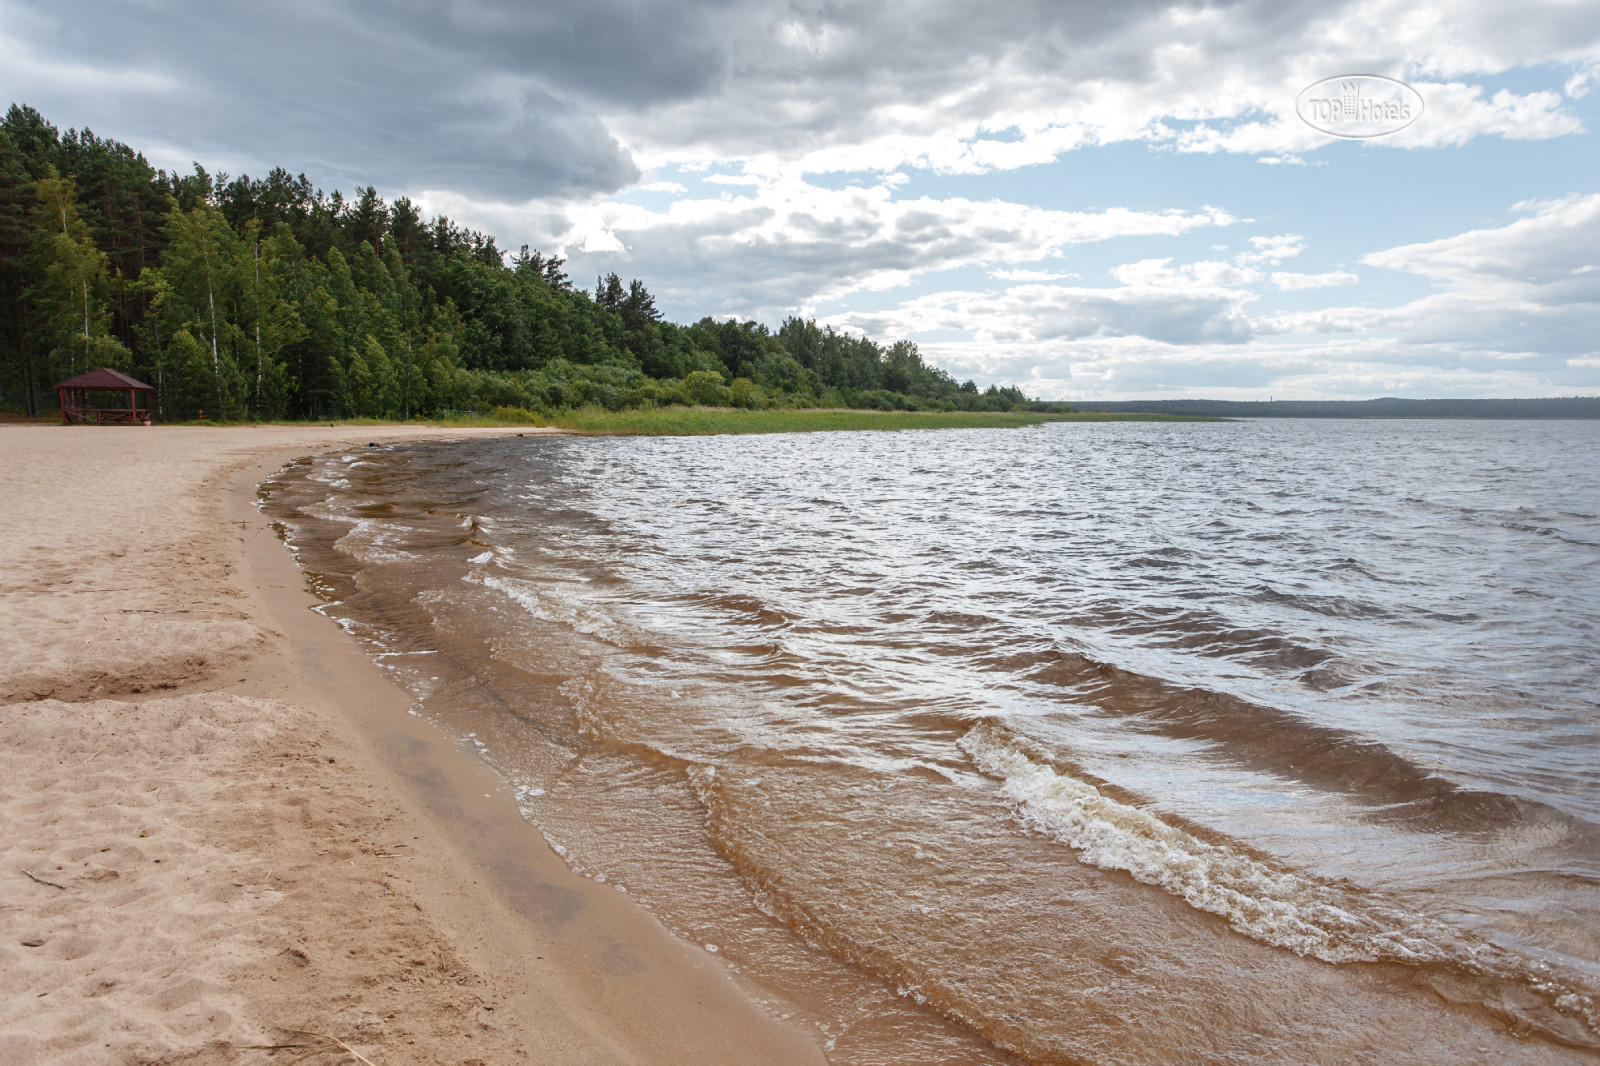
(1358, 105)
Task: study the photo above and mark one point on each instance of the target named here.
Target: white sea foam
(552, 605)
(371, 541)
(1280, 908)
(581, 691)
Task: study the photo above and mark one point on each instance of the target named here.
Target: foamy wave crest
(1283, 909)
(1280, 908)
(554, 606)
(369, 540)
(372, 542)
(330, 509)
(587, 705)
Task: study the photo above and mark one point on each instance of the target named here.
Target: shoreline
(327, 861)
(370, 530)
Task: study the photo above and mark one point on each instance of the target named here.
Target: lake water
(1269, 741)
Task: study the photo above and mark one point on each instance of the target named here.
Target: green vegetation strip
(694, 421)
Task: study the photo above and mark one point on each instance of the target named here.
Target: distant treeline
(241, 298)
(1387, 407)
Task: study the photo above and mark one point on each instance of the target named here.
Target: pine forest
(241, 298)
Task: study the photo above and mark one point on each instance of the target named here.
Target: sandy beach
(221, 831)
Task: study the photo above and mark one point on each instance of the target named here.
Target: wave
(1204, 632)
(1280, 742)
(746, 609)
(1335, 924)
(547, 602)
(374, 542)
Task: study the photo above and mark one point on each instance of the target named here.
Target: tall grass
(697, 421)
(692, 421)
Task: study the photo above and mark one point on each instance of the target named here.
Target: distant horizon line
(1511, 407)
(1370, 399)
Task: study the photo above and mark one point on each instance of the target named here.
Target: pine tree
(17, 371)
(68, 304)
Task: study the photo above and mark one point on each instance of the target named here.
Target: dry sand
(233, 827)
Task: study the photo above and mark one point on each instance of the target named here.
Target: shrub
(520, 415)
(706, 388)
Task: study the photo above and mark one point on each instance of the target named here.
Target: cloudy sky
(1088, 200)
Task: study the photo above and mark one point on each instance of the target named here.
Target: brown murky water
(1140, 743)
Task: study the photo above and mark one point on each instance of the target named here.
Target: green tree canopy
(242, 297)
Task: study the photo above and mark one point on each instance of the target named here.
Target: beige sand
(244, 830)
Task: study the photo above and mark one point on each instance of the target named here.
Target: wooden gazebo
(77, 405)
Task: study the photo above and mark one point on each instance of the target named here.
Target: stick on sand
(35, 877)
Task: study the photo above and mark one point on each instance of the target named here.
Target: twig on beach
(289, 1047)
(35, 877)
(332, 1042)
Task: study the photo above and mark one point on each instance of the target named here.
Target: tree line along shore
(267, 299)
(245, 299)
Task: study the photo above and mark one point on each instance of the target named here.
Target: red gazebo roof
(104, 378)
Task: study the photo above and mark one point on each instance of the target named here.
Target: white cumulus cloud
(782, 243)
(1290, 282)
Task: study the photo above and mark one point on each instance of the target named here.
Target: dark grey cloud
(628, 53)
(493, 102)
(860, 85)
(508, 101)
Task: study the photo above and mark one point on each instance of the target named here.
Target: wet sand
(234, 829)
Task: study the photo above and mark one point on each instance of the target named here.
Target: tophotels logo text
(1358, 105)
